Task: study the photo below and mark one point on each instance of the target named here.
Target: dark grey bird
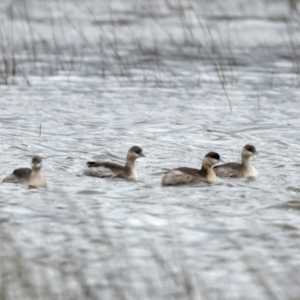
(31, 177)
(186, 175)
(108, 169)
(239, 170)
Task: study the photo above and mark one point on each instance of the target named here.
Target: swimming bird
(108, 169)
(31, 177)
(237, 170)
(185, 175)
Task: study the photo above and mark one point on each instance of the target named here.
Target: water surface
(90, 238)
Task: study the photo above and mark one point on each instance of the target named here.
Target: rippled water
(90, 238)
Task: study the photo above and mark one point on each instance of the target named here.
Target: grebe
(31, 177)
(237, 170)
(185, 175)
(108, 169)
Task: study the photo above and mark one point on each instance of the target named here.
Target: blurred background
(87, 79)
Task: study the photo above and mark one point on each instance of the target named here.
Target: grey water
(87, 80)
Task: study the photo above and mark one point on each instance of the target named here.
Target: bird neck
(246, 161)
(36, 170)
(130, 163)
(207, 172)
